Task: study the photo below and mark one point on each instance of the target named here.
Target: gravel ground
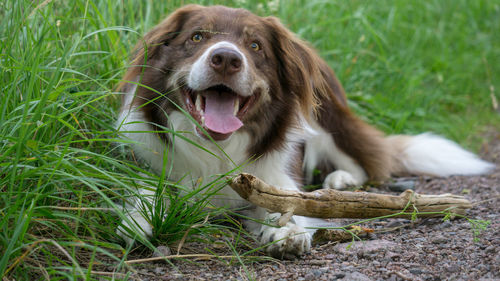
(427, 249)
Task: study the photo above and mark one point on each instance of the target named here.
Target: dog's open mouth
(218, 109)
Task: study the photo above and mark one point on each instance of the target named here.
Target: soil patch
(399, 249)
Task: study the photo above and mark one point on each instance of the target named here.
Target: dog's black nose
(226, 61)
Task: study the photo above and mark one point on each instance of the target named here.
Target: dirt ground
(428, 249)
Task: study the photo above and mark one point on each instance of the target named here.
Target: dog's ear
(162, 34)
(319, 91)
(302, 72)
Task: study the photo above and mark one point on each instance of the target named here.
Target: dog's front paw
(340, 180)
(288, 242)
(138, 228)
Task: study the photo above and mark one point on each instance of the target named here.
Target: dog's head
(230, 70)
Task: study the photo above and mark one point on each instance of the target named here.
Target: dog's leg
(137, 226)
(288, 241)
(322, 147)
(148, 147)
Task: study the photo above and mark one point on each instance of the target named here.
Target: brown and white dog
(243, 86)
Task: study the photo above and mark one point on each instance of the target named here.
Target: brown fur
(398, 144)
(299, 80)
(326, 97)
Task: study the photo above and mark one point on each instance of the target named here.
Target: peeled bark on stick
(329, 203)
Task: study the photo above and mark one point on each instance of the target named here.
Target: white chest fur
(190, 158)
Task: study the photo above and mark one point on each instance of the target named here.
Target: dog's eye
(255, 46)
(197, 37)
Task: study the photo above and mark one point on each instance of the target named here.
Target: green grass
(408, 67)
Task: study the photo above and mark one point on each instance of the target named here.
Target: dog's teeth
(198, 103)
(202, 120)
(236, 106)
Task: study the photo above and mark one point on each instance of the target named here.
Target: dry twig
(329, 203)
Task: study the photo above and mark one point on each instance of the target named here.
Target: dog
(245, 87)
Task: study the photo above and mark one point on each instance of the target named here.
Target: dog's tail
(429, 154)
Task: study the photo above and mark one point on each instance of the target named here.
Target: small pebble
(339, 274)
(396, 223)
(416, 271)
(309, 277)
(161, 251)
(400, 186)
(356, 276)
(317, 273)
(453, 268)
(444, 224)
(439, 240)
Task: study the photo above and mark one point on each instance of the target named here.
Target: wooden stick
(329, 203)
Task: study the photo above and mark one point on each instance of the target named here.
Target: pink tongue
(219, 108)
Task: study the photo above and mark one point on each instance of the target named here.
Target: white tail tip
(434, 155)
